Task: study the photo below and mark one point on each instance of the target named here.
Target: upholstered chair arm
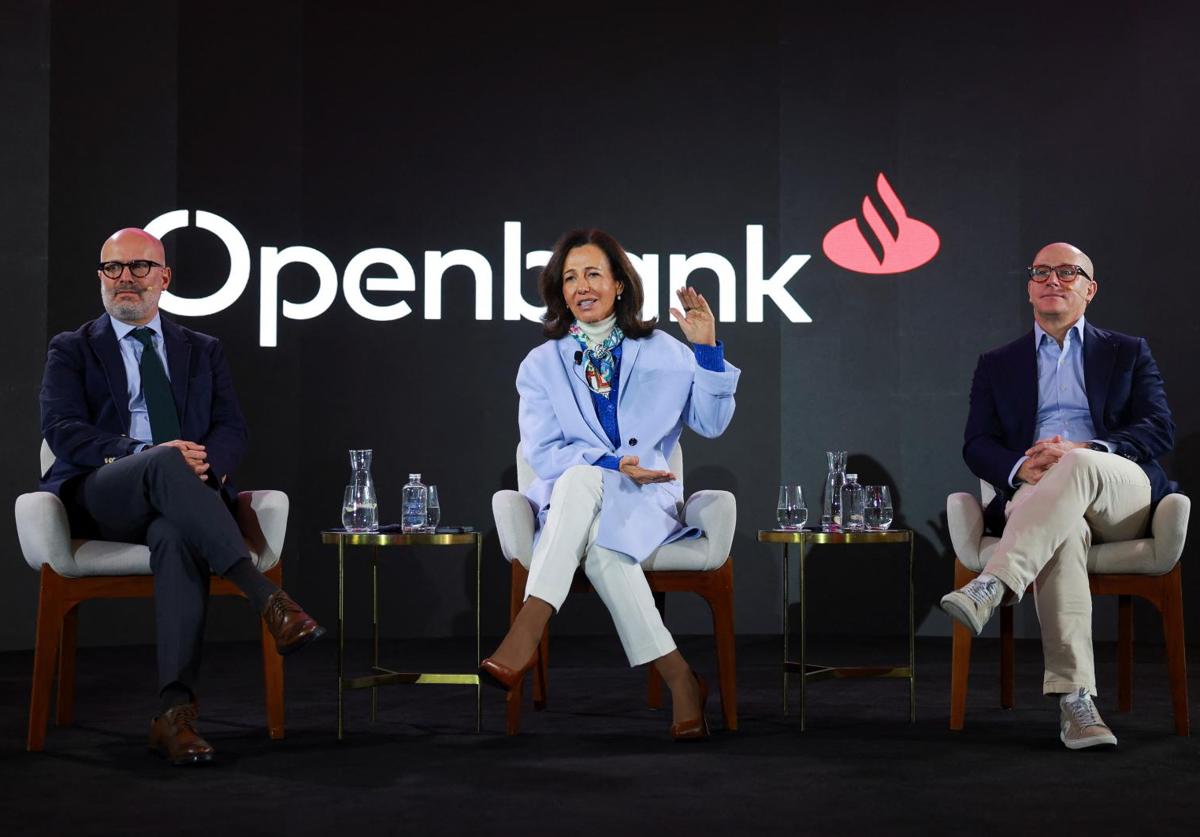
(44, 533)
(964, 517)
(716, 513)
(262, 516)
(514, 524)
(1169, 529)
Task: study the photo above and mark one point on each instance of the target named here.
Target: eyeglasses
(1066, 272)
(138, 269)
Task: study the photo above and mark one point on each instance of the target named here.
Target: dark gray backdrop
(354, 125)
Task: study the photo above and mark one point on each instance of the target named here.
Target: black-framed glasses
(1066, 272)
(138, 268)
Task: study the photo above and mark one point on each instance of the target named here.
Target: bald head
(129, 298)
(132, 239)
(1060, 253)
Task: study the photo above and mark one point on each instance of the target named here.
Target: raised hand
(696, 319)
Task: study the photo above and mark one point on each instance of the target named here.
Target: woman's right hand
(642, 476)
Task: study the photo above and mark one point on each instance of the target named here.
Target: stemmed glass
(433, 510)
(878, 511)
(790, 511)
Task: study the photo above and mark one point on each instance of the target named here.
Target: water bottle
(852, 505)
(415, 502)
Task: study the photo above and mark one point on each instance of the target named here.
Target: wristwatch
(1098, 447)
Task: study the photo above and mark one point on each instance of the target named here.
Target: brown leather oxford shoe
(173, 736)
(291, 626)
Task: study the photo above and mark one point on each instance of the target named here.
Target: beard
(125, 309)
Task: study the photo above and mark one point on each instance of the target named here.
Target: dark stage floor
(596, 761)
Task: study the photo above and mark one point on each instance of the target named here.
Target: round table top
(817, 536)
(342, 537)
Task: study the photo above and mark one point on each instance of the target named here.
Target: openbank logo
(401, 277)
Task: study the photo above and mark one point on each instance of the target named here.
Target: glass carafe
(831, 511)
(360, 509)
(415, 501)
(853, 498)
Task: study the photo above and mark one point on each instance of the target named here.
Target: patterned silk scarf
(598, 367)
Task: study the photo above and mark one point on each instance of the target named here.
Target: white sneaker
(1081, 724)
(973, 603)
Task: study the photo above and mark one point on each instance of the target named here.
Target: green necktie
(156, 389)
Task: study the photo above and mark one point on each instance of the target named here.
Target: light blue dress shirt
(131, 356)
(1062, 407)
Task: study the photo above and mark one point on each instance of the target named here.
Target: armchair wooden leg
(960, 657)
(653, 681)
(1124, 653)
(272, 668)
(1172, 618)
(45, 649)
(516, 596)
(65, 699)
(541, 672)
(719, 596)
(1007, 658)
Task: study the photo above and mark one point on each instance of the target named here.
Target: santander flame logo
(913, 244)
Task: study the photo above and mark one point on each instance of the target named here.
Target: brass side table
(809, 671)
(386, 676)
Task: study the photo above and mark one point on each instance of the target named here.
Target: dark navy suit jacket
(1124, 390)
(85, 401)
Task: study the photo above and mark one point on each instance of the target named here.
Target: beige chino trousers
(1088, 495)
(568, 539)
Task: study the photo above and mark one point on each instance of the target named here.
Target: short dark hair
(558, 318)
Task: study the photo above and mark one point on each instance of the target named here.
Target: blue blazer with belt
(661, 389)
(85, 401)
(1125, 395)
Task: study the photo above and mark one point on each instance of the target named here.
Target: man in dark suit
(1066, 423)
(142, 418)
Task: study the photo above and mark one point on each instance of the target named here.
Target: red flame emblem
(913, 244)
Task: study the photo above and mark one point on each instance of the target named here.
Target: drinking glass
(878, 507)
(358, 509)
(790, 511)
(433, 510)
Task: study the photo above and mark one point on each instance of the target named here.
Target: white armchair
(1146, 567)
(75, 570)
(702, 566)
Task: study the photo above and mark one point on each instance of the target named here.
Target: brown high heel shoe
(501, 676)
(695, 729)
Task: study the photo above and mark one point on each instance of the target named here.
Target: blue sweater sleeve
(711, 358)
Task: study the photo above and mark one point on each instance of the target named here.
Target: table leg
(374, 627)
(803, 642)
(912, 638)
(478, 649)
(786, 629)
(341, 640)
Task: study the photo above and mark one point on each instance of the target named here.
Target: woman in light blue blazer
(603, 402)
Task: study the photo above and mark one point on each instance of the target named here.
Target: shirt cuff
(711, 358)
(1012, 475)
(609, 461)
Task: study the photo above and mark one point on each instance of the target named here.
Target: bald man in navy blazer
(1066, 423)
(145, 427)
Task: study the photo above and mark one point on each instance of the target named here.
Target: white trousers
(1051, 525)
(569, 538)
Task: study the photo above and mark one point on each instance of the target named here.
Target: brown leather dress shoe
(291, 626)
(173, 736)
(695, 729)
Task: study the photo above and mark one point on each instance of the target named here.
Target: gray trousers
(154, 498)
